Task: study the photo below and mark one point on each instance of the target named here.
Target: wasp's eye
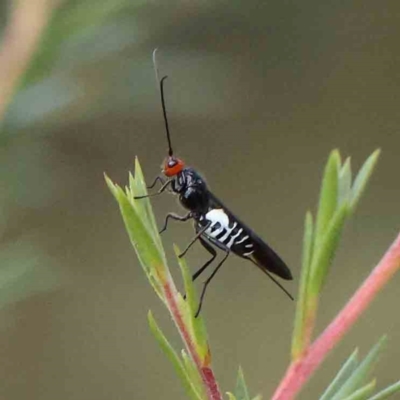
(172, 163)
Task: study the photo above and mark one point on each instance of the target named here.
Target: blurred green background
(258, 94)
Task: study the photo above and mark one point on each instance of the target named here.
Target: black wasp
(214, 223)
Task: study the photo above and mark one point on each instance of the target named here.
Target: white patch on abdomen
(218, 216)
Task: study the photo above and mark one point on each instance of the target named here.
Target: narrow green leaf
(362, 178)
(193, 374)
(197, 324)
(324, 253)
(25, 271)
(344, 373)
(361, 373)
(143, 206)
(133, 190)
(130, 189)
(328, 199)
(241, 391)
(298, 332)
(387, 392)
(113, 188)
(144, 244)
(362, 393)
(231, 396)
(188, 283)
(174, 358)
(345, 182)
(258, 397)
(140, 237)
(307, 242)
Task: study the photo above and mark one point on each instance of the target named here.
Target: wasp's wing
(263, 256)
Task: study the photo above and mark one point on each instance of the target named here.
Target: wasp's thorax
(172, 166)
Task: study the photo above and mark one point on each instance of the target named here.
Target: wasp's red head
(172, 166)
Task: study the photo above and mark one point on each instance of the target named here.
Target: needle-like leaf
(150, 257)
(328, 196)
(143, 206)
(363, 392)
(362, 178)
(324, 253)
(361, 373)
(174, 358)
(299, 334)
(387, 392)
(241, 391)
(342, 376)
(345, 182)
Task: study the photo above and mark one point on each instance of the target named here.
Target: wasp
(215, 225)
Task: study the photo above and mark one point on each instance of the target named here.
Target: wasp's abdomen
(226, 233)
(229, 234)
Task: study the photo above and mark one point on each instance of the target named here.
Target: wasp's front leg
(159, 191)
(158, 178)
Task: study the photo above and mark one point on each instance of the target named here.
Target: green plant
(338, 199)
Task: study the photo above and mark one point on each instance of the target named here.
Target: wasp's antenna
(155, 65)
(277, 283)
(161, 83)
(170, 152)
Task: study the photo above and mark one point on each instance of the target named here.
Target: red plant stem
(301, 370)
(206, 372)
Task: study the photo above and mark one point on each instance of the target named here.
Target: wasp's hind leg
(213, 253)
(159, 191)
(207, 282)
(175, 217)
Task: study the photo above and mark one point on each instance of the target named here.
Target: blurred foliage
(24, 271)
(79, 33)
(73, 24)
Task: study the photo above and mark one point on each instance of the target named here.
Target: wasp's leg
(176, 218)
(159, 191)
(213, 253)
(198, 234)
(206, 283)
